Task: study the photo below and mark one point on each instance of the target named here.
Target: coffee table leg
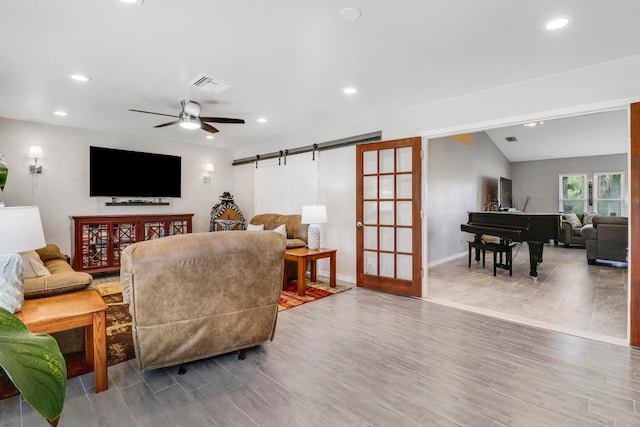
(284, 276)
(302, 276)
(100, 351)
(313, 271)
(332, 271)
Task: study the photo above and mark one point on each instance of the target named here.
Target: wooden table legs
(62, 312)
(303, 255)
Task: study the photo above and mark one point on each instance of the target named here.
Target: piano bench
(496, 248)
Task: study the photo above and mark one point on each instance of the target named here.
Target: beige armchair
(198, 295)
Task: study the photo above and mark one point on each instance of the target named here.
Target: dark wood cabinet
(99, 240)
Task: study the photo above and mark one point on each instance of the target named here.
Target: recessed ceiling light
(349, 90)
(350, 13)
(262, 120)
(210, 137)
(533, 124)
(557, 23)
(60, 113)
(132, 1)
(79, 77)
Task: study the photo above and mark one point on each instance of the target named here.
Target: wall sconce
(208, 171)
(35, 153)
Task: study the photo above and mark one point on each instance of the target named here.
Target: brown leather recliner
(198, 295)
(296, 234)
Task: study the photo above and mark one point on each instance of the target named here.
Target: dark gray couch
(570, 234)
(607, 238)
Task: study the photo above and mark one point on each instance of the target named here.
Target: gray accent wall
(538, 179)
(459, 178)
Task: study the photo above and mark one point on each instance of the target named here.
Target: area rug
(120, 341)
(289, 297)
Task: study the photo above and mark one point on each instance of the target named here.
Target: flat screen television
(504, 191)
(122, 173)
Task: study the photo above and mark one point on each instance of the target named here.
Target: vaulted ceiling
(288, 60)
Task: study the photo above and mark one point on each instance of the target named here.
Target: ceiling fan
(189, 118)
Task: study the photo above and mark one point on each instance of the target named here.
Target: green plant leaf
(34, 364)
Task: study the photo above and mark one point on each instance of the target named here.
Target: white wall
(457, 177)
(334, 187)
(63, 187)
(551, 96)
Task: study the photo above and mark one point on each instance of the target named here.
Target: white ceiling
(586, 135)
(288, 59)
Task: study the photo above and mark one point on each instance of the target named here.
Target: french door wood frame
(634, 223)
(389, 216)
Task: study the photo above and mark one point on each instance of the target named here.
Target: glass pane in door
(386, 213)
(370, 215)
(370, 190)
(405, 267)
(403, 184)
(387, 239)
(370, 237)
(386, 187)
(404, 163)
(371, 262)
(387, 267)
(386, 160)
(404, 240)
(404, 213)
(370, 162)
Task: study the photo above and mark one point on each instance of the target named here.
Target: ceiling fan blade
(151, 112)
(167, 124)
(208, 128)
(221, 120)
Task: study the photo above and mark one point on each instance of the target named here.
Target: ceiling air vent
(209, 84)
(511, 139)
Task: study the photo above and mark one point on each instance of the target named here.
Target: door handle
(359, 224)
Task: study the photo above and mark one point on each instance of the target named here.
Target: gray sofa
(198, 295)
(570, 231)
(607, 238)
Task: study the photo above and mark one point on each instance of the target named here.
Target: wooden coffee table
(69, 311)
(304, 255)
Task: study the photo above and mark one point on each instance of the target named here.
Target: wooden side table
(69, 311)
(304, 255)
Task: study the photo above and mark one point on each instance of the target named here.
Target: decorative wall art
(226, 215)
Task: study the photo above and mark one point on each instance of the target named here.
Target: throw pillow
(32, 266)
(573, 219)
(282, 229)
(588, 218)
(251, 227)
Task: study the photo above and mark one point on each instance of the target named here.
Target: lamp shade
(314, 214)
(35, 152)
(21, 229)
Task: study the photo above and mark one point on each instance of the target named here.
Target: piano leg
(535, 257)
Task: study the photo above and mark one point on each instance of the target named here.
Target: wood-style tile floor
(361, 358)
(569, 294)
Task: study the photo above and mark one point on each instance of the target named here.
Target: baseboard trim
(447, 259)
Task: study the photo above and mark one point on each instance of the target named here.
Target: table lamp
(314, 216)
(21, 230)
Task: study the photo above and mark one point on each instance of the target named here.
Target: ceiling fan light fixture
(189, 123)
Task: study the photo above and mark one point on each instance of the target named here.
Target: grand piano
(535, 229)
